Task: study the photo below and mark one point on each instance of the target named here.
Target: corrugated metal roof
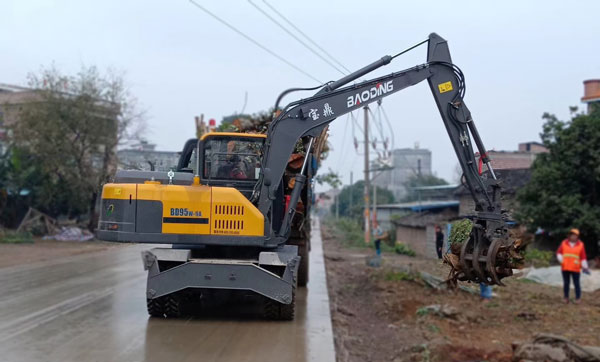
(422, 205)
(436, 187)
(12, 88)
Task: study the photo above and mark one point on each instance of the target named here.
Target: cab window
(232, 158)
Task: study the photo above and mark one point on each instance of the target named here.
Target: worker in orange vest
(572, 258)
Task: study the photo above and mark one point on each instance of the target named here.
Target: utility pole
(351, 189)
(374, 216)
(337, 204)
(366, 191)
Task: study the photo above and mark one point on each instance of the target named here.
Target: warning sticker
(445, 87)
(117, 191)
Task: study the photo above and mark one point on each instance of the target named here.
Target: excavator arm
(306, 118)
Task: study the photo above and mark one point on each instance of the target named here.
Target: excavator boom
(306, 118)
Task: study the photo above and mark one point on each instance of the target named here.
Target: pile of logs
(259, 123)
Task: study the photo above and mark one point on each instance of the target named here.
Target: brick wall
(420, 239)
(430, 251)
(532, 147)
(414, 237)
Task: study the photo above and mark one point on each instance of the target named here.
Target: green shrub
(461, 230)
(423, 311)
(538, 258)
(403, 249)
(433, 328)
(13, 237)
(399, 276)
(348, 232)
(351, 234)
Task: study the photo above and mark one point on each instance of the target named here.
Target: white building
(143, 156)
(406, 163)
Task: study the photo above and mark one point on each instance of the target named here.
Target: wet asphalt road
(91, 307)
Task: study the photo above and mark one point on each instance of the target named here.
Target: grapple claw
(491, 261)
(485, 257)
(476, 259)
(464, 264)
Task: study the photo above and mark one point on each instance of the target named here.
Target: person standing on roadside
(379, 235)
(439, 241)
(572, 258)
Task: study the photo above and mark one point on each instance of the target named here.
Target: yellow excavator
(231, 215)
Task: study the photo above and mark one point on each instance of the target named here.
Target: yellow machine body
(193, 209)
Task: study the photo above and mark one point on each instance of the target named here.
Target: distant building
(512, 167)
(532, 147)
(417, 229)
(591, 93)
(512, 181)
(387, 214)
(510, 160)
(143, 156)
(434, 193)
(13, 98)
(406, 163)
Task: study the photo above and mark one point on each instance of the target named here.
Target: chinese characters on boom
(327, 111)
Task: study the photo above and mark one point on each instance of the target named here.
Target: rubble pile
(549, 347)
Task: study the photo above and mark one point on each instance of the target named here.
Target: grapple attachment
(487, 256)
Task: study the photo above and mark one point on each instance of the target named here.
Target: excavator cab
(226, 159)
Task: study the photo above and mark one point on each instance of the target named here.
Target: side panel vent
(228, 219)
(229, 224)
(232, 210)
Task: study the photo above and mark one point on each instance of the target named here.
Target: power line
(294, 36)
(386, 144)
(389, 126)
(378, 125)
(306, 36)
(247, 37)
(341, 159)
(355, 121)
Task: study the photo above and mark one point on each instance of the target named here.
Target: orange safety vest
(571, 256)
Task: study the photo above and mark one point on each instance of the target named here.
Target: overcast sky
(520, 59)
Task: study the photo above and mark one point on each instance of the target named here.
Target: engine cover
(155, 212)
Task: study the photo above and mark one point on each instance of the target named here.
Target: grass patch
(404, 249)
(347, 231)
(423, 311)
(13, 237)
(350, 234)
(399, 276)
(433, 328)
(526, 281)
(538, 258)
(492, 305)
